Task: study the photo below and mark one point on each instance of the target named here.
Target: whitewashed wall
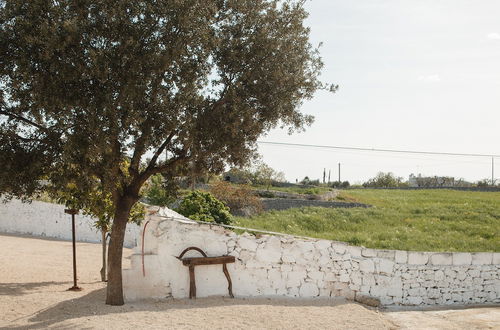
(287, 266)
(49, 220)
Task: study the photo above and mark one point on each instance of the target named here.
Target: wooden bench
(191, 262)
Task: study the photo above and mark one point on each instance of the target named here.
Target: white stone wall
(287, 266)
(49, 220)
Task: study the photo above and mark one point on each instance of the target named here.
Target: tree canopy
(86, 85)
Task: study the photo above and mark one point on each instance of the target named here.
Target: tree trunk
(103, 269)
(114, 294)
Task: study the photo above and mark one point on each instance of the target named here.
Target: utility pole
(339, 172)
(492, 171)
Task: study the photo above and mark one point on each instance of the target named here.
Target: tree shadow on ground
(92, 304)
(17, 289)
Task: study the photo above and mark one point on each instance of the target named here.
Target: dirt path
(35, 274)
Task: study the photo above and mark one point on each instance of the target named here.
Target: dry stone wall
(268, 265)
(284, 204)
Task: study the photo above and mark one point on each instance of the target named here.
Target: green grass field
(423, 220)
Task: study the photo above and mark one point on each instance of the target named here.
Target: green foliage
(419, 220)
(258, 173)
(203, 206)
(339, 184)
(264, 175)
(214, 76)
(385, 180)
(307, 181)
(157, 191)
(96, 203)
(485, 183)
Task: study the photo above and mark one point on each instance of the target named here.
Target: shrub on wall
(203, 206)
(239, 198)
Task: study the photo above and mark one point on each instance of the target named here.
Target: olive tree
(86, 85)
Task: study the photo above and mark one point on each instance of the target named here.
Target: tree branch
(21, 118)
(138, 181)
(171, 162)
(158, 152)
(139, 150)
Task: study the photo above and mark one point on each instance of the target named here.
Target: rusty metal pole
(75, 287)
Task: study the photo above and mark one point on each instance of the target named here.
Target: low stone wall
(327, 196)
(49, 220)
(268, 265)
(283, 204)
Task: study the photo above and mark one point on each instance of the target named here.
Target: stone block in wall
(474, 272)
(367, 266)
(295, 278)
(461, 274)
(339, 248)
(450, 273)
(316, 275)
(414, 300)
(418, 258)
(325, 292)
(395, 291)
(384, 266)
(401, 257)
(323, 245)
(386, 254)
(344, 278)
(287, 257)
(356, 278)
(370, 253)
(368, 280)
(462, 258)
(378, 291)
(305, 246)
(308, 290)
(439, 276)
(482, 258)
(247, 244)
(496, 259)
(270, 252)
(441, 259)
(325, 260)
(268, 255)
(354, 251)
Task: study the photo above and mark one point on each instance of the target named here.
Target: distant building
(431, 182)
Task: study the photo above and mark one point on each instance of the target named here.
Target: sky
(413, 75)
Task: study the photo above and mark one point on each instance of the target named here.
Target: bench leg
(230, 284)
(192, 283)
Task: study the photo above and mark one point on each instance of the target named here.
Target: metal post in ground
(75, 286)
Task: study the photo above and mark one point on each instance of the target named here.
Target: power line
(377, 150)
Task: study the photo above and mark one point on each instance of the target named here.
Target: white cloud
(493, 36)
(430, 78)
